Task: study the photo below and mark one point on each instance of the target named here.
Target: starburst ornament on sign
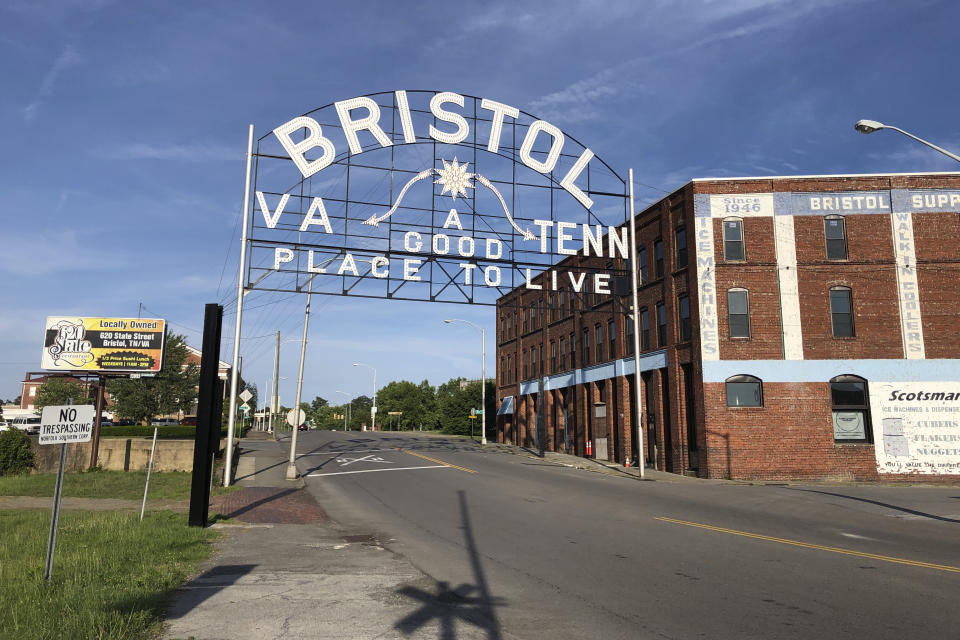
(454, 178)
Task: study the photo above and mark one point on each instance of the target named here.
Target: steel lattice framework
(404, 208)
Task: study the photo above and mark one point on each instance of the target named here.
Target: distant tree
(360, 412)
(455, 399)
(17, 400)
(318, 403)
(173, 389)
(57, 391)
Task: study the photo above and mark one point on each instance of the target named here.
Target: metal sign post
(146, 487)
(60, 425)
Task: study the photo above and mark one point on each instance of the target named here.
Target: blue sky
(124, 132)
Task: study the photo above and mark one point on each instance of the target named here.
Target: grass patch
(112, 575)
(164, 485)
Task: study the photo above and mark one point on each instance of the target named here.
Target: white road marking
(343, 473)
(333, 454)
(344, 462)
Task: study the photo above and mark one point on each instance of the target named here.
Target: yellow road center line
(808, 545)
(446, 464)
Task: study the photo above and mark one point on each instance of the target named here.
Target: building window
(681, 246)
(683, 310)
(509, 368)
(563, 303)
(733, 239)
(851, 411)
(744, 391)
(553, 357)
(661, 324)
(644, 329)
(573, 351)
(599, 330)
(642, 259)
(585, 347)
(628, 336)
(738, 313)
(841, 312)
(526, 365)
(553, 308)
(563, 354)
(658, 256)
(611, 339)
(533, 316)
(835, 231)
(524, 315)
(543, 363)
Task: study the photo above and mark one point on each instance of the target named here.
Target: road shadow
(469, 603)
(882, 504)
(204, 586)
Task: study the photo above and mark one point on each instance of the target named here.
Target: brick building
(790, 328)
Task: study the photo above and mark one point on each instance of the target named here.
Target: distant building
(790, 328)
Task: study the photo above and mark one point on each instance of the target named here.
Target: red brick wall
(790, 437)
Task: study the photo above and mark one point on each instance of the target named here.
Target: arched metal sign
(431, 196)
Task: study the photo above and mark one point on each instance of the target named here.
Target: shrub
(16, 456)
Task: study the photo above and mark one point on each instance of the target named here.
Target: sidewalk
(285, 571)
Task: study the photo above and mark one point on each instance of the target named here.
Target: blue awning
(506, 407)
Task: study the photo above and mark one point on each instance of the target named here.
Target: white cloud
(67, 58)
(180, 152)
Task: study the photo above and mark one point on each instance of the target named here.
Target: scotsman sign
(428, 196)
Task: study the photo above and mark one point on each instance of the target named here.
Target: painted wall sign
(429, 196)
(916, 426)
(103, 344)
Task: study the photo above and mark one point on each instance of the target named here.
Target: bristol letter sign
(433, 196)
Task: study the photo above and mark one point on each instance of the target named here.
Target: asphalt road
(533, 549)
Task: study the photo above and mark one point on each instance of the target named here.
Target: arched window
(744, 391)
(841, 312)
(851, 409)
(738, 313)
(835, 232)
(733, 239)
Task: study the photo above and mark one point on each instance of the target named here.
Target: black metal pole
(207, 416)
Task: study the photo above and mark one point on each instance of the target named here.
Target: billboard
(117, 345)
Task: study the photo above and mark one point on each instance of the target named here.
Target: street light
(347, 408)
(373, 409)
(869, 126)
(483, 376)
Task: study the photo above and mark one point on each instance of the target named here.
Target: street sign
(472, 417)
(394, 413)
(473, 413)
(479, 411)
(246, 395)
(245, 407)
(68, 423)
(296, 417)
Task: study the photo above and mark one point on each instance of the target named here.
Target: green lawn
(112, 575)
(166, 485)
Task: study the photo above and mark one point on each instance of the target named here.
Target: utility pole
(292, 467)
(276, 388)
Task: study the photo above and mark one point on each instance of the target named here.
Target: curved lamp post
(483, 376)
(373, 409)
(869, 126)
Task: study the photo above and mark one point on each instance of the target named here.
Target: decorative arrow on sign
(454, 179)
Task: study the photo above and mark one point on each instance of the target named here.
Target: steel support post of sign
(641, 458)
(241, 276)
(292, 467)
(52, 541)
(95, 441)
